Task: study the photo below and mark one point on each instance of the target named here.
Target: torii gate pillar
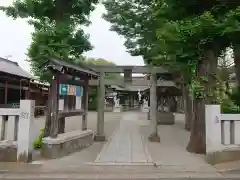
(154, 137)
(100, 135)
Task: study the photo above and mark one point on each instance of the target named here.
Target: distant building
(16, 84)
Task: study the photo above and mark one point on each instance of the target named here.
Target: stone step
(110, 176)
(89, 172)
(101, 168)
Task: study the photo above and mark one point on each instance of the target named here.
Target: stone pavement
(127, 146)
(171, 152)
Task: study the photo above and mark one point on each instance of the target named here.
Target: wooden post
(54, 107)
(6, 92)
(85, 104)
(100, 136)
(48, 115)
(61, 125)
(153, 109)
(28, 92)
(20, 93)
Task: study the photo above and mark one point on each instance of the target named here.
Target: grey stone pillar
(85, 104)
(100, 135)
(153, 109)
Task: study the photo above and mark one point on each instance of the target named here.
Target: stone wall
(66, 143)
(222, 135)
(223, 156)
(8, 151)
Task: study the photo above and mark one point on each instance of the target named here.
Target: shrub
(228, 106)
(37, 144)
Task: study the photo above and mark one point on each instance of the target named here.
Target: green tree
(57, 31)
(57, 28)
(190, 38)
(134, 20)
(196, 31)
(93, 89)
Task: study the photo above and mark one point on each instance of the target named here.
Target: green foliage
(37, 144)
(99, 61)
(228, 106)
(92, 106)
(235, 95)
(197, 90)
(133, 20)
(57, 29)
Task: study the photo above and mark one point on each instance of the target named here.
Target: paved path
(127, 145)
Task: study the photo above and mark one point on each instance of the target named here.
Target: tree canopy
(57, 28)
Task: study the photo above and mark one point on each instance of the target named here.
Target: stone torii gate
(127, 70)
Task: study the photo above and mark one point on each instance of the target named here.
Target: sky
(15, 38)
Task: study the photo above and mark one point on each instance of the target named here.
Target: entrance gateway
(157, 78)
(57, 140)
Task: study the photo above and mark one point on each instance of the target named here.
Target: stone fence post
(25, 131)
(213, 128)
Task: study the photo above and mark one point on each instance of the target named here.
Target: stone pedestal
(117, 109)
(165, 118)
(154, 137)
(145, 108)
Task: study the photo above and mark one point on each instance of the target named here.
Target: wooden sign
(79, 91)
(71, 90)
(63, 89)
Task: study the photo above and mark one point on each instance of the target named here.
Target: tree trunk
(188, 108)
(236, 50)
(197, 142)
(207, 67)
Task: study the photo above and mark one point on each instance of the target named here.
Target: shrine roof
(13, 68)
(131, 88)
(70, 68)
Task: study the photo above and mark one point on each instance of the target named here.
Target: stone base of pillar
(154, 137)
(145, 109)
(117, 109)
(99, 138)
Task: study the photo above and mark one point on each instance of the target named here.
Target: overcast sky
(15, 38)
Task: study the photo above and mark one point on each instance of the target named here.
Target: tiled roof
(13, 68)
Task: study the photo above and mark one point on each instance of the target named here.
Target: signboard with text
(65, 89)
